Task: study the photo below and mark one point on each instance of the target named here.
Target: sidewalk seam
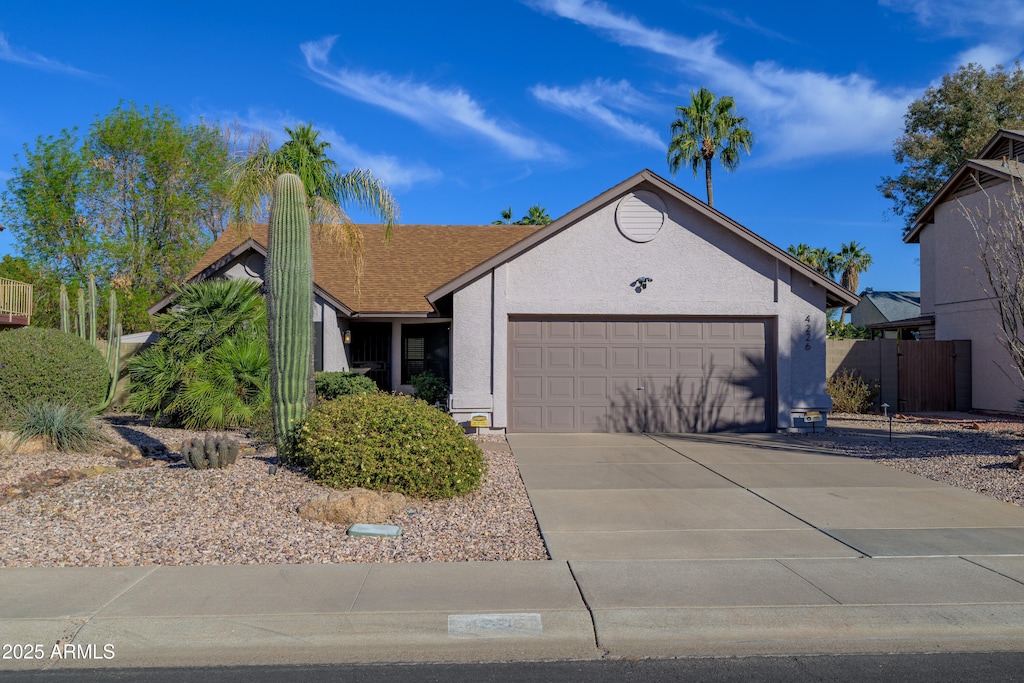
(590, 611)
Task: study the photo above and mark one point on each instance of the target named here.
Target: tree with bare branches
(999, 226)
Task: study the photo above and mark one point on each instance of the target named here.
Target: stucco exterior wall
(952, 283)
(697, 268)
(250, 266)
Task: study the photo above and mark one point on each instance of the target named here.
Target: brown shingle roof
(396, 276)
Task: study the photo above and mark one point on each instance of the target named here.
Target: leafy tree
(135, 202)
(210, 367)
(949, 124)
(305, 155)
(705, 129)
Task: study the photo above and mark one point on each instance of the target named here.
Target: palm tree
(706, 129)
(851, 262)
(822, 260)
(506, 217)
(535, 215)
(305, 155)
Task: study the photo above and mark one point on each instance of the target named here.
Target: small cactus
(211, 452)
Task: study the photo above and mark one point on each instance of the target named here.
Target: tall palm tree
(305, 155)
(852, 260)
(707, 129)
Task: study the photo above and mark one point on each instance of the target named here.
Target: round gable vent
(640, 216)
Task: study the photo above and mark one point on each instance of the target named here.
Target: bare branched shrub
(999, 227)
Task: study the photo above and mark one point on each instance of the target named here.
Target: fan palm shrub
(210, 368)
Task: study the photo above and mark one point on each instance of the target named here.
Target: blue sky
(465, 108)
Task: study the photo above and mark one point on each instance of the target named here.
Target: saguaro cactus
(289, 279)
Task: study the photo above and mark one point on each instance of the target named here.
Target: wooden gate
(927, 376)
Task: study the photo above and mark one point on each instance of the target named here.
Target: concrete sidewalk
(661, 546)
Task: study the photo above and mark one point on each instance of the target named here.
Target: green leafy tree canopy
(135, 202)
(535, 215)
(949, 124)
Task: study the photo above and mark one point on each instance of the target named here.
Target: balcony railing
(15, 303)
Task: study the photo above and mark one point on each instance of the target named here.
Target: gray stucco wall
(250, 266)
(952, 285)
(698, 269)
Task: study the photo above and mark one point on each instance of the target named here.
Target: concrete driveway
(751, 496)
(761, 543)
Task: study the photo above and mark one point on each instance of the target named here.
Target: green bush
(385, 442)
(332, 385)
(850, 393)
(69, 427)
(41, 364)
(430, 387)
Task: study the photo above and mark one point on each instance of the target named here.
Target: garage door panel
(593, 331)
(593, 358)
(528, 388)
(560, 418)
(527, 358)
(657, 358)
(560, 358)
(625, 358)
(561, 388)
(528, 418)
(528, 330)
(696, 375)
(561, 330)
(594, 388)
(625, 331)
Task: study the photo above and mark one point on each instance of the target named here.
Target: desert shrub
(70, 428)
(850, 393)
(429, 387)
(41, 364)
(210, 368)
(332, 385)
(385, 442)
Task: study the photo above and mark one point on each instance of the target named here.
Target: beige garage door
(629, 375)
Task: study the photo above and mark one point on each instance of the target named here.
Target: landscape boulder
(1018, 464)
(353, 506)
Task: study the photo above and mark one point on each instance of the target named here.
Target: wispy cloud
(36, 61)
(1001, 22)
(396, 173)
(602, 102)
(805, 113)
(430, 107)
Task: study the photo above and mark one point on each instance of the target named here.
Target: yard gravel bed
(971, 452)
(169, 514)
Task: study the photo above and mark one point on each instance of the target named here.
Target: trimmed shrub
(70, 428)
(386, 442)
(332, 385)
(44, 365)
(429, 387)
(850, 393)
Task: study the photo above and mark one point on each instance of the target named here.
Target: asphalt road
(905, 668)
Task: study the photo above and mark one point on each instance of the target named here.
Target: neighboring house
(889, 314)
(953, 283)
(641, 310)
(885, 307)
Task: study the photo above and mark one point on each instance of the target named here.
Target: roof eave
(924, 216)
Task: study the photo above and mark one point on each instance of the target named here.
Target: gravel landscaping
(98, 510)
(972, 452)
(168, 514)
